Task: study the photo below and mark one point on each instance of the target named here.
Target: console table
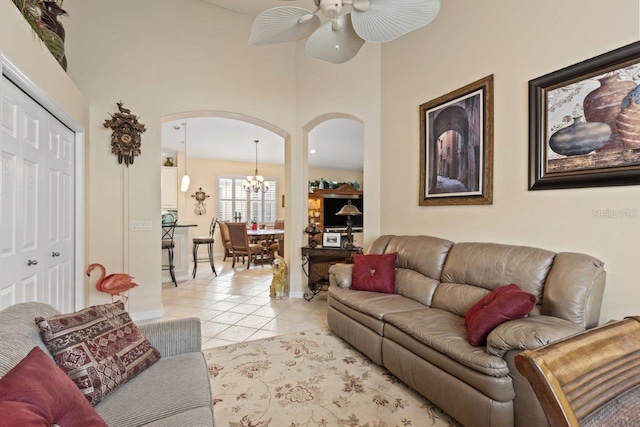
(317, 262)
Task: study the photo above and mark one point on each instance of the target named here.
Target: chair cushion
(99, 347)
(376, 273)
(501, 305)
(173, 386)
(38, 393)
(203, 239)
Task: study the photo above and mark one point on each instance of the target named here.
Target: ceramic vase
(628, 124)
(580, 138)
(50, 14)
(603, 105)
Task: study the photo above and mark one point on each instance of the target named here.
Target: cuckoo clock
(126, 136)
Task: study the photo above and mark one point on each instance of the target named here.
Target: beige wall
(515, 42)
(161, 57)
(25, 51)
(171, 57)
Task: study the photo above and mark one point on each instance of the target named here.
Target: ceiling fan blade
(335, 41)
(380, 21)
(281, 25)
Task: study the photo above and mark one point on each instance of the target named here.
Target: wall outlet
(141, 225)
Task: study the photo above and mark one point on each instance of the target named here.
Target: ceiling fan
(350, 24)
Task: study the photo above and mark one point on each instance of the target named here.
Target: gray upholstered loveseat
(419, 333)
(173, 392)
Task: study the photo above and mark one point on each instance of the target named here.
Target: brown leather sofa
(419, 333)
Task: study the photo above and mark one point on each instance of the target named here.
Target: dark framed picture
(456, 147)
(584, 123)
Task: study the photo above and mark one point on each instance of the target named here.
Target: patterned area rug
(310, 379)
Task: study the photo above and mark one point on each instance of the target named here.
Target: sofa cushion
(375, 273)
(447, 334)
(99, 347)
(424, 254)
(501, 305)
(490, 265)
(38, 393)
(173, 386)
(373, 303)
(18, 333)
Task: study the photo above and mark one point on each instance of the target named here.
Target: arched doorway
(208, 167)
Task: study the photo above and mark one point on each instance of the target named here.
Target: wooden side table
(317, 262)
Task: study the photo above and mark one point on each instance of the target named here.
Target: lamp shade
(349, 209)
(185, 183)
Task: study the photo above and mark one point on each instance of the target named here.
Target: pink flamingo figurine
(114, 284)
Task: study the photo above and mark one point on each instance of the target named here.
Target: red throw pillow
(375, 273)
(37, 393)
(98, 347)
(502, 304)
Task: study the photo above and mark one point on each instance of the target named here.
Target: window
(233, 201)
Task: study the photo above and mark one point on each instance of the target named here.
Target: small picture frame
(331, 240)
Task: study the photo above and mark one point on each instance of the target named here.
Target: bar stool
(167, 243)
(205, 240)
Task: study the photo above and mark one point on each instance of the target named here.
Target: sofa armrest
(529, 333)
(173, 337)
(340, 275)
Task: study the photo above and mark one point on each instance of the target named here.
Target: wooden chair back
(238, 236)
(589, 377)
(279, 224)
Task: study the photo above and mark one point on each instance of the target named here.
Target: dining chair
(205, 240)
(590, 379)
(240, 245)
(226, 241)
(277, 247)
(168, 229)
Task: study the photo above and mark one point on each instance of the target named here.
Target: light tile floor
(235, 306)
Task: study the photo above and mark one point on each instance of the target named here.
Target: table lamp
(349, 210)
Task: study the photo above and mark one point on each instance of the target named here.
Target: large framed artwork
(584, 123)
(456, 147)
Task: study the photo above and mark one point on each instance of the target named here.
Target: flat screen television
(333, 204)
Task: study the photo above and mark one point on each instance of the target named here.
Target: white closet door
(37, 195)
(59, 254)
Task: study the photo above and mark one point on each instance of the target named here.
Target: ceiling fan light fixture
(337, 47)
(331, 8)
(376, 21)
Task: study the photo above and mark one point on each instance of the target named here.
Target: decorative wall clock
(200, 197)
(126, 136)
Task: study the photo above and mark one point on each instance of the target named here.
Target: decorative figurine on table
(312, 230)
(278, 286)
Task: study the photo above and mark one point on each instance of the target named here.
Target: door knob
(55, 254)
(32, 262)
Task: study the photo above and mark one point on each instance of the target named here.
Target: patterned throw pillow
(98, 347)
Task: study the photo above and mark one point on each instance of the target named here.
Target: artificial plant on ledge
(39, 16)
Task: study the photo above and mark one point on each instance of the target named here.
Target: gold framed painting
(456, 147)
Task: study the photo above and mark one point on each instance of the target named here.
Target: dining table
(268, 234)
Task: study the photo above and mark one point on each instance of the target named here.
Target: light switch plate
(141, 225)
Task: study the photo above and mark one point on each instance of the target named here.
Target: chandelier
(255, 183)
